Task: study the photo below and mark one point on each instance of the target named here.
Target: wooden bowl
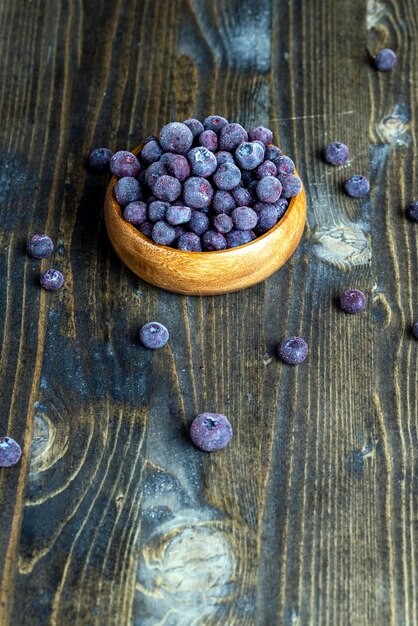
(205, 273)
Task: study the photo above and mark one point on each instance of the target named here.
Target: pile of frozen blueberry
(204, 186)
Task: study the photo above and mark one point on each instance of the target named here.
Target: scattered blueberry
(269, 189)
(231, 136)
(176, 137)
(40, 246)
(124, 163)
(153, 335)
(189, 242)
(415, 329)
(223, 223)
(261, 134)
(202, 161)
(237, 238)
(244, 218)
(157, 210)
(223, 202)
(211, 431)
(357, 186)
(163, 233)
(178, 215)
(227, 176)
(195, 126)
(353, 301)
(99, 159)
(284, 165)
(336, 153)
(267, 168)
(224, 157)
(135, 212)
(167, 188)
(127, 190)
(10, 452)
(385, 60)
(199, 222)
(197, 192)
(151, 151)
(208, 139)
(293, 350)
(291, 185)
(412, 211)
(52, 280)
(177, 166)
(215, 123)
(249, 155)
(212, 240)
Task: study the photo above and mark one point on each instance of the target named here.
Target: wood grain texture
(310, 516)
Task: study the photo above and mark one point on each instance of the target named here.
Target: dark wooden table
(310, 516)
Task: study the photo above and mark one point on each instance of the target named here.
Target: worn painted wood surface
(310, 516)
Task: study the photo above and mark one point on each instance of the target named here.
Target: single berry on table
(195, 126)
(197, 192)
(157, 210)
(353, 301)
(211, 431)
(124, 163)
(52, 280)
(202, 161)
(151, 152)
(127, 190)
(10, 452)
(163, 233)
(336, 153)
(135, 212)
(212, 240)
(231, 136)
(244, 218)
(224, 157)
(189, 242)
(209, 139)
(198, 223)
(223, 223)
(291, 185)
(249, 155)
(223, 202)
(284, 165)
(293, 350)
(99, 159)
(153, 335)
(269, 189)
(385, 60)
(237, 238)
(167, 188)
(176, 137)
(357, 186)
(227, 176)
(215, 123)
(412, 211)
(260, 134)
(266, 168)
(177, 165)
(178, 215)
(40, 246)
(415, 329)
(241, 196)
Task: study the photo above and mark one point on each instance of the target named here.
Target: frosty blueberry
(52, 280)
(357, 186)
(336, 153)
(153, 335)
(124, 163)
(40, 246)
(353, 301)
(293, 350)
(211, 431)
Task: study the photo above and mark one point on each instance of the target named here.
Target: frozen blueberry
(177, 165)
(412, 211)
(195, 126)
(176, 137)
(293, 350)
(272, 153)
(231, 136)
(211, 431)
(10, 452)
(237, 238)
(291, 185)
(357, 186)
(150, 138)
(151, 152)
(223, 202)
(157, 210)
(415, 329)
(124, 163)
(208, 139)
(269, 189)
(281, 206)
(353, 301)
(249, 155)
(127, 190)
(224, 157)
(197, 192)
(135, 213)
(167, 188)
(241, 196)
(385, 60)
(336, 153)
(244, 218)
(227, 176)
(52, 280)
(153, 335)
(179, 231)
(146, 228)
(199, 222)
(202, 161)
(223, 223)
(267, 217)
(284, 165)
(215, 123)
(40, 246)
(178, 215)
(267, 168)
(99, 159)
(163, 233)
(212, 240)
(261, 134)
(189, 242)
(153, 172)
